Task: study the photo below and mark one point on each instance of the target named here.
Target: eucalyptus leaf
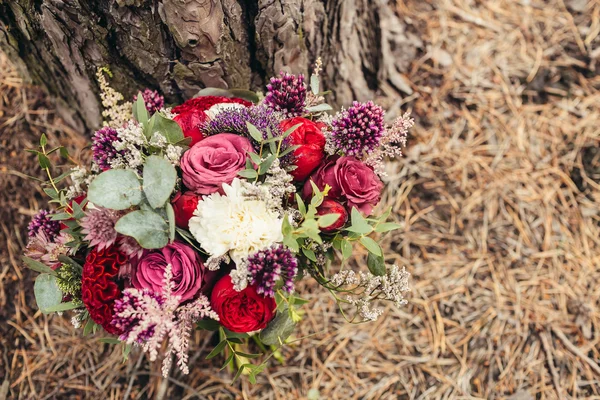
(376, 264)
(140, 113)
(245, 95)
(159, 180)
(214, 92)
(37, 266)
(319, 108)
(117, 189)
(371, 245)
(278, 330)
(47, 293)
(147, 227)
(314, 84)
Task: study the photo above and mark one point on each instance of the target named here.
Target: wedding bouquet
(206, 215)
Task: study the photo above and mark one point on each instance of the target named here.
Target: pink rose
(351, 181)
(214, 161)
(188, 270)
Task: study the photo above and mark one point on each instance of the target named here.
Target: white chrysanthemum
(234, 224)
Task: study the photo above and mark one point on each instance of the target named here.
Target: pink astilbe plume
(391, 143)
(147, 318)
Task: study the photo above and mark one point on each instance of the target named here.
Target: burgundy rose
(192, 114)
(184, 206)
(311, 140)
(188, 270)
(214, 161)
(333, 207)
(244, 311)
(351, 181)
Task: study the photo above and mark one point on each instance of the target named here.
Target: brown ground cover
(499, 199)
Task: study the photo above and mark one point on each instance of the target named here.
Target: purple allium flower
(152, 99)
(267, 266)
(99, 227)
(358, 129)
(41, 222)
(287, 94)
(103, 150)
(233, 120)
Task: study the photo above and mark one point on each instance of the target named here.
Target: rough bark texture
(181, 46)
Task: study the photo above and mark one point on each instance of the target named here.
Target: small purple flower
(287, 94)
(130, 310)
(152, 99)
(42, 222)
(266, 267)
(233, 120)
(103, 150)
(358, 129)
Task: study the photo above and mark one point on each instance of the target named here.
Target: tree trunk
(182, 46)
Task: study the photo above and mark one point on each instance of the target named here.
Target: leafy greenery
(117, 189)
(147, 227)
(47, 293)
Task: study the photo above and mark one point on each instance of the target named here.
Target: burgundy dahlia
(359, 128)
(267, 266)
(152, 99)
(42, 222)
(287, 94)
(103, 150)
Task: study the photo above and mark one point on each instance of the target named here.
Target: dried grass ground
(499, 198)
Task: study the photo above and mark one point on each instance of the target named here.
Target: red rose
(184, 206)
(333, 207)
(244, 311)
(99, 289)
(311, 140)
(351, 181)
(191, 114)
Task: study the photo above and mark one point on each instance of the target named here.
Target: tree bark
(182, 46)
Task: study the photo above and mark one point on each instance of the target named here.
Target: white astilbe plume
(148, 318)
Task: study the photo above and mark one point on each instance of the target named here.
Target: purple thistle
(287, 94)
(267, 266)
(152, 99)
(42, 222)
(233, 120)
(359, 128)
(103, 150)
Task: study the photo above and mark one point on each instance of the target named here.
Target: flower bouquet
(208, 214)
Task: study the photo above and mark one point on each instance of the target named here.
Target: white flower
(220, 107)
(235, 224)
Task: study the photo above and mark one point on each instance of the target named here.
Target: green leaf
(208, 325)
(254, 132)
(376, 264)
(387, 226)
(147, 227)
(44, 161)
(245, 94)
(47, 293)
(64, 307)
(290, 130)
(266, 164)
(140, 113)
(314, 84)
(288, 150)
(228, 360)
(38, 266)
(166, 127)
(309, 254)
(238, 374)
(171, 218)
(60, 216)
(248, 174)
(359, 223)
(69, 261)
(328, 220)
(300, 203)
(43, 140)
(126, 350)
(278, 330)
(159, 180)
(117, 189)
(319, 108)
(346, 249)
(109, 340)
(211, 91)
(371, 245)
(89, 326)
(255, 158)
(64, 153)
(217, 350)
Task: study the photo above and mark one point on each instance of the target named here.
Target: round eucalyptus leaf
(159, 180)
(147, 227)
(46, 291)
(117, 189)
